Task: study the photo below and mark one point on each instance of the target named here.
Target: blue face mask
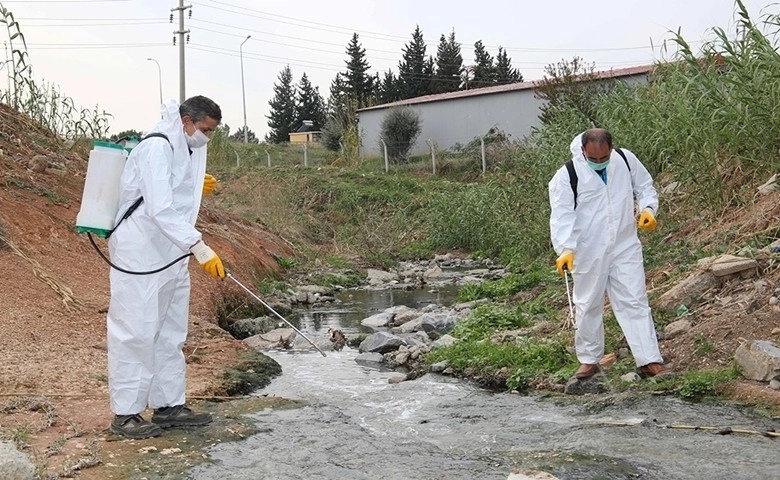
(597, 166)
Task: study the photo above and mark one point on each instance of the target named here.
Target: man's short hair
(200, 107)
(596, 135)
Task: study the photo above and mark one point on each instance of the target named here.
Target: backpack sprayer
(100, 206)
(100, 199)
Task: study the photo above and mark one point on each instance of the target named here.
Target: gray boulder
(14, 465)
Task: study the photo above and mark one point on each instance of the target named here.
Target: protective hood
(576, 147)
(172, 126)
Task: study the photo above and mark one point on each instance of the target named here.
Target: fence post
(484, 161)
(238, 159)
(387, 161)
(268, 154)
(305, 155)
(433, 155)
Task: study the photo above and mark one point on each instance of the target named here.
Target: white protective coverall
(148, 314)
(602, 233)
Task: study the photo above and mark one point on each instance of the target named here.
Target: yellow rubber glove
(208, 260)
(209, 184)
(647, 220)
(565, 262)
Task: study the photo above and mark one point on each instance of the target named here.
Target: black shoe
(134, 426)
(179, 416)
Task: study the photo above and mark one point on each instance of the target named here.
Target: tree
(399, 130)
(359, 84)
(388, 88)
(309, 104)
(239, 135)
(570, 84)
(338, 97)
(414, 71)
(282, 115)
(484, 72)
(125, 134)
(504, 71)
(449, 65)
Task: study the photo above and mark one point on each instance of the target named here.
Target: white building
(460, 117)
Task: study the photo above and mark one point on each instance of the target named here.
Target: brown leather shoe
(586, 370)
(655, 370)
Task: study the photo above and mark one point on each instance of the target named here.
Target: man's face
(597, 152)
(207, 125)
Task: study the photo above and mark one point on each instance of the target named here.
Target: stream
(357, 425)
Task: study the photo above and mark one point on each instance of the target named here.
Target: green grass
(529, 360)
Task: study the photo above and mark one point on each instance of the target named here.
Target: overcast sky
(97, 51)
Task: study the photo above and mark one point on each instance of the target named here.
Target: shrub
(400, 129)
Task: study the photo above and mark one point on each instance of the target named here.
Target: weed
(52, 196)
(286, 263)
(699, 384)
(531, 359)
(487, 319)
(339, 262)
(346, 280)
(702, 346)
(509, 285)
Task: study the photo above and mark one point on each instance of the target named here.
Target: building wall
(460, 120)
(305, 137)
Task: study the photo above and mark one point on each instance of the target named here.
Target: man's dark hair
(596, 135)
(199, 107)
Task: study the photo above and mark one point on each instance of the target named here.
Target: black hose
(92, 241)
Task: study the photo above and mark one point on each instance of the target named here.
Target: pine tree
(484, 72)
(449, 65)
(338, 94)
(504, 71)
(412, 70)
(309, 104)
(388, 88)
(282, 116)
(239, 135)
(359, 83)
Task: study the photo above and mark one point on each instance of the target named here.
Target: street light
(159, 73)
(243, 94)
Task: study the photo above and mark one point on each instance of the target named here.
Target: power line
(88, 46)
(64, 1)
(117, 24)
(265, 15)
(319, 42)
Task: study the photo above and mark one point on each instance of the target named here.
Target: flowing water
(357, 425)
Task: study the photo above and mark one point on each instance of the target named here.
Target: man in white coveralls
(594, 231)
(148, 314)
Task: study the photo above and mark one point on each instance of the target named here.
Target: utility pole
(181, 32)
(243, 93)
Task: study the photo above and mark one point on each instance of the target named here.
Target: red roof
(511, 87)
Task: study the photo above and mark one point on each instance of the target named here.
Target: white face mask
(196, 140)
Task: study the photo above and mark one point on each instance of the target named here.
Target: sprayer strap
(140, 200)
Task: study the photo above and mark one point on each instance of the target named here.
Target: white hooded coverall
(148, 314)
(602, 233)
